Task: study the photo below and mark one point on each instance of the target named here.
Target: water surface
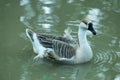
(53, 16)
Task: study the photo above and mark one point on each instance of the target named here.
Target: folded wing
(62, 47)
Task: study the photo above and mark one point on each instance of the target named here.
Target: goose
(63, 48)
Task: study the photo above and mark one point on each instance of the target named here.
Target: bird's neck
(82, 37)
(84, 52)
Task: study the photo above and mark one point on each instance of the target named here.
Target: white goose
(63, 49)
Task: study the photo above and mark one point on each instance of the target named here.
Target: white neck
(82, 37)
(84, 52)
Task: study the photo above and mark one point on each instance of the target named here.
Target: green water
(53, 16)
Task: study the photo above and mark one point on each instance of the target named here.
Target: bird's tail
(29, 34)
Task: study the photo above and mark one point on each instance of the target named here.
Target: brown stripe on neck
(85, 21)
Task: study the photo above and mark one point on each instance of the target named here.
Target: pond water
(53, 16)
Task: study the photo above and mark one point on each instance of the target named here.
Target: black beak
(90, 28)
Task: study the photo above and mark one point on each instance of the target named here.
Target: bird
(63, 48)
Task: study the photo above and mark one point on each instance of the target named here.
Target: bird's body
(62, 49)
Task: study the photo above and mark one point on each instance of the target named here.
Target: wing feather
(61, 45)
(62, 49)
(46, 40)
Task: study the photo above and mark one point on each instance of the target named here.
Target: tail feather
(30, 34)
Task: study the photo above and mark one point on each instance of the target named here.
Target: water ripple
(105, 57)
